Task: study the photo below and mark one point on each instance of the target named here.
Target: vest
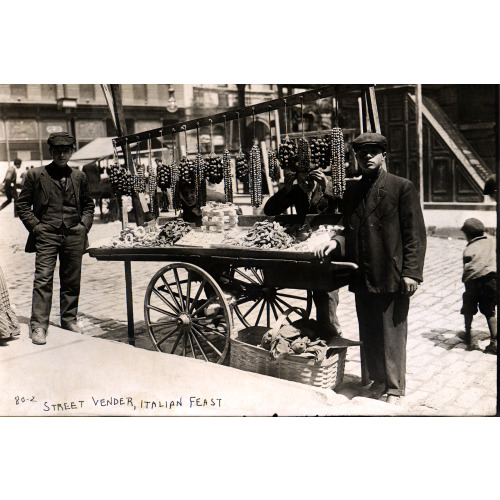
(62, 206)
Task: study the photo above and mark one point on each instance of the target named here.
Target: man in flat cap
(10, 183)
(56, 207)
(385, 236)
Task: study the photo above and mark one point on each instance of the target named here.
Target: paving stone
(470, 397)
(442, 396)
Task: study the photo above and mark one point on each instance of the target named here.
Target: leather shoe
(38, 336)
(72, 327)
(491, 348)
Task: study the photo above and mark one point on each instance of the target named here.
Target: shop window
(87, 92)
(19, 91)
(139, 92)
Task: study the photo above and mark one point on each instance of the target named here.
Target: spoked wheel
(258, 303)
(187, 314)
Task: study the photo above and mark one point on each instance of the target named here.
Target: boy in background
(479, 277)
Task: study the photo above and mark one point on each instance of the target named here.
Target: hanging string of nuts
(214, 172)
(287, 151)
(226, 168)
(320, 152)
(200, 168)
(153, 181)
(255, 176)
(272, 157)
(337, 162)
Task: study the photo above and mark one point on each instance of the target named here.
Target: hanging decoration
(241, 161)
(287, 151)
(199, 166)
(337, 162)
(120, 177)
(187, 171)
(153, 181)
(303, 154)
(255, 174)
(226, 168)
(272, 157)
(164, 171)
(140, 175)
(215, 172)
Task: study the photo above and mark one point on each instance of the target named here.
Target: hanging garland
(337, 159)
(255, 175)
(215, 172)
(287, 151)
(226, 168)
(272, 157)
(241, 161)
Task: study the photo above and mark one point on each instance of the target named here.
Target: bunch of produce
(241, 167)
(176, 202)
(267, 234)
(140, 179)
(303, 155)
(320, 152)
(121, 180)
(187, 171)
(173, 231)
(255, 177)
(337, 162)
(274, 169)
(153, 184)
(214, 169)
(228, 180)
(164, 174)
(287, 154)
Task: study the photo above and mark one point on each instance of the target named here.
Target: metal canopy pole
(232, 114)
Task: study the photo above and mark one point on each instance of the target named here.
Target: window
(87, 92)
(139, 92)
(19, 91)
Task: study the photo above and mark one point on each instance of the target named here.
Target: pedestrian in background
(480, 280)
(385, 236)
(56, 207)
(10, 184)
(9, 324)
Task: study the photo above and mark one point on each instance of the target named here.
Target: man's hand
(324, 249)
(319, 177)
(290, 177)
(408, 286)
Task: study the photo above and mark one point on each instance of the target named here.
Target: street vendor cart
(209, 290)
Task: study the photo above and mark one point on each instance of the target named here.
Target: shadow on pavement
(450, 339)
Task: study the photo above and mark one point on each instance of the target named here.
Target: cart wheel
(256, 303)
(186, 313)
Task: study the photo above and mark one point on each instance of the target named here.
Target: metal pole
(420, 141)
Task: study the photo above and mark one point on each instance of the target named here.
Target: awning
(99, 148)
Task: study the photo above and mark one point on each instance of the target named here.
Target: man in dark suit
(385, 236)
(56, 207)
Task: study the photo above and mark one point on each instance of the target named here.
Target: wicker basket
(246, 355)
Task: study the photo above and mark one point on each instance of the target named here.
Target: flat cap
(60, 139)
(17, 161)
(473, 226)
(369, 139)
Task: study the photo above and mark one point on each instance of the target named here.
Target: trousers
(326, 309)
(383, 329)
(68, 244)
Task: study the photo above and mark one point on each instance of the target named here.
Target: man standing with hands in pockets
(56, 207)
(385, 236)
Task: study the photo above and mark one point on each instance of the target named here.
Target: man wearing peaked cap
(10, 182)
(385, 236)
(56, 207)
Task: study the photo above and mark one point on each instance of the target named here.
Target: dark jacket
(321, 202)
(34, 197)
(385, 235)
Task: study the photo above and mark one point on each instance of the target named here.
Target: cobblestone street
(443, 377)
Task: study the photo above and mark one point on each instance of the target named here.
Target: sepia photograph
(330, 248)
(241, 290)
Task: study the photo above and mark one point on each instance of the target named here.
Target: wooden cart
(192, 305)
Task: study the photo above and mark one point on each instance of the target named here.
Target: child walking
(480, 281)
